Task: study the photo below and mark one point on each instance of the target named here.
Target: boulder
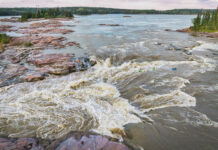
(20, 144)
(14, 69)
(49, 59)
(168, 30)
(76, 141)
(73, 44)
(11, 73)
(184, 30)
(108, 24)
(91, 142)
(32, 77)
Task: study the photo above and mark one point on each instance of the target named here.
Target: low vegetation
(28, 44)
(4, 39)
(206, 22)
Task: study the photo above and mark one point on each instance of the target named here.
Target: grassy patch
(4, 39)
(28, 44)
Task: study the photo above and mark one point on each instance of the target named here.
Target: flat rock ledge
(42, 66)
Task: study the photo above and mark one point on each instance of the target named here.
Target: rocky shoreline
(197, 34)
(72, 141)
(23, 60)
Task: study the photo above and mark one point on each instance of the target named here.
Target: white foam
(83, 101)
(172, 99)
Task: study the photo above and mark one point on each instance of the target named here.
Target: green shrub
(28, 44)
(4, 39)
(2, 46)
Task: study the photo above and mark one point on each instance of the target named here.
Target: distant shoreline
(99, 10)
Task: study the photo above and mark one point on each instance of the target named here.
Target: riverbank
(193, 33)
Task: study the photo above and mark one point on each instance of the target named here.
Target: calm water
(164, 99)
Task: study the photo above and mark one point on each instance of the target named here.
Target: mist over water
(163, 98)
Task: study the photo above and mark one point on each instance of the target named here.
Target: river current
(159, 86)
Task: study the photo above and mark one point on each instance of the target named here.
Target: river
(159, 86)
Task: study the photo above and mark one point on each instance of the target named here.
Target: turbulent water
(162, 86)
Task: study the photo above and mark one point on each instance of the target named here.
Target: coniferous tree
(206, 21)
(197, 22)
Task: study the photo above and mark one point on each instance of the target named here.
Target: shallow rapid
(159, 86)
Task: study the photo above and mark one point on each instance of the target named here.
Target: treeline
(46, 13)
(95, 10)
(206, 21)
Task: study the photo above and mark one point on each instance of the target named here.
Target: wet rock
(187, 52)
(212, 35)
(48, 59)
(158, 43)
(14, 69)
(32, 77)
(48, 31)
(20, 144)
(47, 41)
(6, 28)
(10, 74)
(173, 47)
(41, 41)
(43, 70)
(62, 69)
(184, 30)
(15, 55)
(168, 30)
(83, 63)
(73, 44)
(127, 16)
(91, 142)
(209, 35)
(71, 141)
(61, 64)
(13, 19)
(47, 24)
(108, 24)
(59, 71)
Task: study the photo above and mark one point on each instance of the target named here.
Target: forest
(46, 13)
(95, 10)
(206, 21)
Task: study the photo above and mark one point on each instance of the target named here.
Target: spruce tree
(206, 21)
